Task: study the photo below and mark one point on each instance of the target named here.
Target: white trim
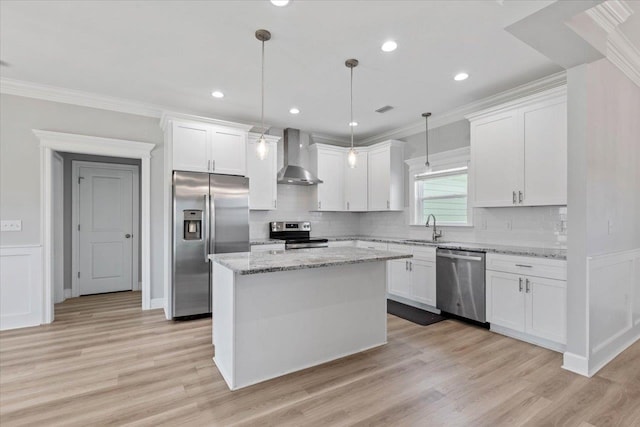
(459, 155)
(55, 141)
(75, 219)
(169, 117)
(575, 363)
(437, 120)
(531, 339)
(556, 94)
(58, 220)
(620, 50)
(77, 97)
(157, 303)
(330, 139)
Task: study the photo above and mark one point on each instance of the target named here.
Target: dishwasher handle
(465, 257)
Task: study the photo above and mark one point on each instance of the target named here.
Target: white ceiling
(175, 53)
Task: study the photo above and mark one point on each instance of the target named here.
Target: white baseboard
(157, 303)
(611, 354)
(576, 364)
(550, 345)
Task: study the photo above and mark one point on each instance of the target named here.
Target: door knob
(127, 235)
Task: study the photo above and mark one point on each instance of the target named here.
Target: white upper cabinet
(204, 146)
(327, 162)
(386, 176)
(229, 151)
(263, 174)
(519, 152)
(355, 183)
(191, 146)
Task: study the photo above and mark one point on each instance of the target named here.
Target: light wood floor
(104, 361)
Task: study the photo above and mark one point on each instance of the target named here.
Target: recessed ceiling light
(280, 3)
(217, 94)
(389, 46)
(294, 110)
(461, 76)
(353, 124)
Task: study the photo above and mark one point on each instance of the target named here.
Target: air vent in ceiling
(384, 109)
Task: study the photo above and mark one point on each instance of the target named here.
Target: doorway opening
(102, 223)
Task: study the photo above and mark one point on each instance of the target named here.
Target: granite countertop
(553, 253)
(266, 242)
(271, 261)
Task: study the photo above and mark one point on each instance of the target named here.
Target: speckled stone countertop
(271, 261)
(554, 253)
(266, 242)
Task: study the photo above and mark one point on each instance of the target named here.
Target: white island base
(271, 324)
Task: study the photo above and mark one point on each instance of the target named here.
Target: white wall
(604, 201)
(20, 163)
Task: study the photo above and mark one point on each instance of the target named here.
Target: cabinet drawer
(530, 266)
(371, 245)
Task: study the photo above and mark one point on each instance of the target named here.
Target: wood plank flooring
(106, 362)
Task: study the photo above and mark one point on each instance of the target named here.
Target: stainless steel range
(296, 234)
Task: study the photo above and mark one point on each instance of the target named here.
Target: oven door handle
(465, 257)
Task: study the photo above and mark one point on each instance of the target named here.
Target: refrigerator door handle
(207, 228)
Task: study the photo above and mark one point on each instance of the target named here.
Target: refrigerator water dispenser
(192, 229)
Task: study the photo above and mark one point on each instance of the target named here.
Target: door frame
(75, 219)
(51, 142)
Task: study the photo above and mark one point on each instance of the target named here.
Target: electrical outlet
(11, 225)
(509, 224)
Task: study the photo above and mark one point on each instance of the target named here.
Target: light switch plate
(11, 225)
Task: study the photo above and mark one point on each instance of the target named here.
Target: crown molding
(168, 117)
(620, 50)
(77, 97)
(437, 120)
(76, 143)
(329, 139)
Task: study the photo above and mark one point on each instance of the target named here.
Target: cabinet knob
(528, 286)
(520, 196)
(127, 236)
(515, 200)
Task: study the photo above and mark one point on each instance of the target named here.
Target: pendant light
(352, 157)
(426, 119)
(262, 147)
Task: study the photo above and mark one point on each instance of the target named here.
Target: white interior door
(105, 232)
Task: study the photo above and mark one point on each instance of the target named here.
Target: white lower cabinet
(524, 305)
(415, 278)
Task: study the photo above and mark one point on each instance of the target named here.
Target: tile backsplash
(544, 226)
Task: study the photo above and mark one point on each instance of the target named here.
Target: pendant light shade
(262, 148)
(352, 157)
(426, 120)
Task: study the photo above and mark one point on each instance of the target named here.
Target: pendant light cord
(262, 93)
(426, 121)
(351, 124)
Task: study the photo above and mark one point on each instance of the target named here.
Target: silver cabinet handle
(465, 257)
(127, 236)
(208, 165)
(520, 284)
(410, 266)
(319, 205)
(206, 228)
(515, 200)
(520, 196)
(388, 205)
(406, 265)
(524, 265)
(213, 165)
(347, 205)
(275, 203)
(528, 286)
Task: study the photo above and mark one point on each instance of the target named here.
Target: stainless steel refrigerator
(210, 215)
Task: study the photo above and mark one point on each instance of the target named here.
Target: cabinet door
(546, 308)
(331, 172)
(423, 281)
(545, 154)
(356, 183)
(399, 279)
(505, 300)
(379, 179)
(263, 176)
(496, 159)
(228, 152)
(191, 147)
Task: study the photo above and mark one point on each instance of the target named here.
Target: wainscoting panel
(614, 305)
(20, 286)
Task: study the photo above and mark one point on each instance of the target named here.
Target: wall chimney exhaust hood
(292, 173)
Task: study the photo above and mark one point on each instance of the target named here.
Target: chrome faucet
(436, 234)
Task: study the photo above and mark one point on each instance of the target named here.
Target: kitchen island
(277, 312)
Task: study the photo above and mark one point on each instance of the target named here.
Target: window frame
(440, 162)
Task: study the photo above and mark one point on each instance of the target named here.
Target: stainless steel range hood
(292, 173)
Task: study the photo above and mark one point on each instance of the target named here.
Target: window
(443, 194)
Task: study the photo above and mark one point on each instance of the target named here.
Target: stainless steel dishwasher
(460, 283)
